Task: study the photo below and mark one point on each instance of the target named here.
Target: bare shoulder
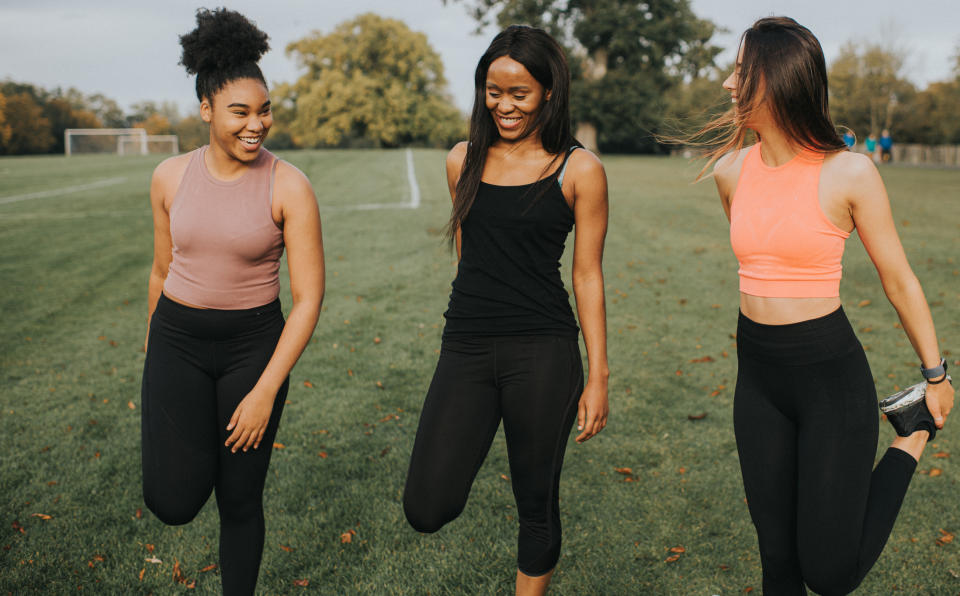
(170, 170)
(456, 156)
(292, 187)
(584, 163)
(727, 168)
(852, 176)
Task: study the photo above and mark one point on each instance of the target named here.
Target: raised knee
(425, 519)
(831, 581)
(171, 512)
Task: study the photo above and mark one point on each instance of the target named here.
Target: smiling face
(514, 97)
(239, 118)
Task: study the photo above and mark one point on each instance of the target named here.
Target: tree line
(640, 70)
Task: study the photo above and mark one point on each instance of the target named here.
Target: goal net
(119, 141)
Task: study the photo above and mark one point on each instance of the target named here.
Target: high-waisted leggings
(805, 416)
(200, 364)
(534, 385)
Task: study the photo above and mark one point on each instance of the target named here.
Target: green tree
(625, 57)
(868, 90)
(62, 115)
(933, 115)
(5, 131)
(192, 132)
(30, 130)
(372, 80)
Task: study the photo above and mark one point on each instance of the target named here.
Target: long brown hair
(784, 69)
(544, 59)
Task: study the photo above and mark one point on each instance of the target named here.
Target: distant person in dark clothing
(886, 146)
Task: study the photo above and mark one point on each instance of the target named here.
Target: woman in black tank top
(510, 346)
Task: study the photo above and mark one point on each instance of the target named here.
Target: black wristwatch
(936, 371)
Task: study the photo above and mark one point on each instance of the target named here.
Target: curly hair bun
(223, 40)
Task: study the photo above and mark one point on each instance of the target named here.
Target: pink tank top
(786, 246)
(226, 246)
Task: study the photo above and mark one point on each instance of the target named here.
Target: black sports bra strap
(563, 167)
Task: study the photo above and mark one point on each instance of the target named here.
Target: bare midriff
(783, 311)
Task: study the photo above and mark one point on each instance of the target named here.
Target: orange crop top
(786, 246)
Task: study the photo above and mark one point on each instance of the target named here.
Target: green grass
(73, 290)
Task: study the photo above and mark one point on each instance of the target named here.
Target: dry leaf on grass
(703, 359)
(286, 548)
(941, 455)
(700, 416)
(279, 446)
(42, 516)
(303, 583)
(209, 567)
(934, 472)
(347, 537)
(624, 471)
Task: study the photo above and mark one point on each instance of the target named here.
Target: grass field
(73, 278)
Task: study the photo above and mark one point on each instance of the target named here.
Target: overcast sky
(128, 49)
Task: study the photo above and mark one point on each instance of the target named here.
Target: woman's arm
(454, 166)
(163, 186)
(870, 209)
(294, 198)
(589, 185)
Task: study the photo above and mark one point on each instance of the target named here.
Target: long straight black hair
(543, 58)
(782, 67)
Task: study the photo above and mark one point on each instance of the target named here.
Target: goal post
(150, 144)
(119, 141)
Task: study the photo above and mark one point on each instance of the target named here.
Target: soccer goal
(119, 141)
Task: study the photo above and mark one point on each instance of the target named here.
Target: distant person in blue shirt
(849, 139)
(871, 144)
(886, 146)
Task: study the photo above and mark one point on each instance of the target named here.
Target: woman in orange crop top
(804, 407)
(218, 350)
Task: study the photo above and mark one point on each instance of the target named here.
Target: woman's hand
(940, 401)
(593, 411)
(249, 420)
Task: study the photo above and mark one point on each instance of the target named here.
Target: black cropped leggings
(534, 384)
(200, 364)
(805, 416)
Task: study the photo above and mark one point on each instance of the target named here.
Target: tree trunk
(594, 69)
(587, 134)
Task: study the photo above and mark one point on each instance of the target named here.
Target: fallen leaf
(672, 558)
(192, 584)
(209, 567)
(941, 455)
(149, 547)
(724, 567)
(700, 416)
(703, 359)
(347, 537)
(308, 384)
(349, 372)
(323, 454)
(279, 446)
(678, 549)
(142, 571)
(945, 538)
(138, 513)
(379, 385)
(377, 340)
(863, 303)
(131, 405)
(866, 329)
(99, 558)
(934, 472)
(504, 477)
(679, 373)
(303, 583)
(177, 576)
(681, 471)
(153, 560)
(625, 471)
(385, 451)
(52, 483)
(287, 548)
(42, 516)
(748, 590)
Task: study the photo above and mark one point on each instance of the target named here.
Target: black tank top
(508, 280)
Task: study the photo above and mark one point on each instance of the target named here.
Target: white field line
(413, 203)
(56, 192)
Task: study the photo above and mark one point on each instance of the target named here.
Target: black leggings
(805, 416)
(534, 384)
(200, 364)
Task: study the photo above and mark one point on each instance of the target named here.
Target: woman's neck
(776, 148)
(221, 165)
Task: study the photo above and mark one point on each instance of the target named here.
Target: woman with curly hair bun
(218, 350)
